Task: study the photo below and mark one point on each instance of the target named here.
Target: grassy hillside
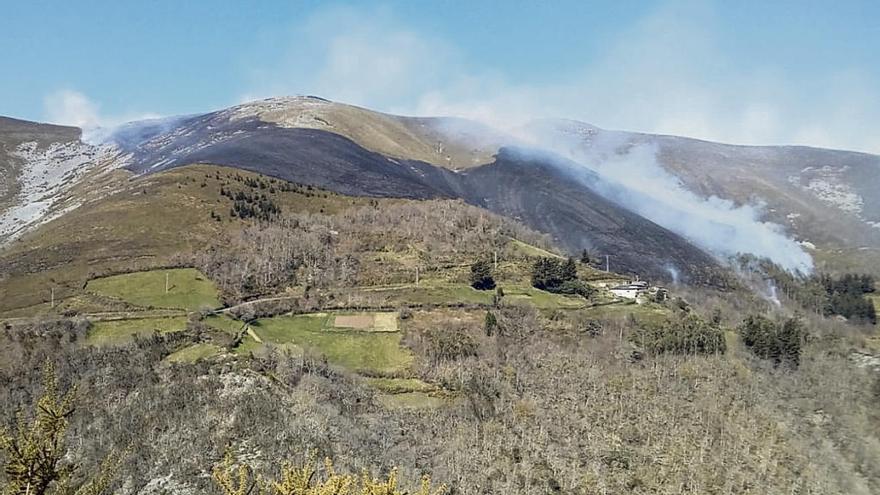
(296, 320)
(146, 222)
(213, 217)
(349, 355)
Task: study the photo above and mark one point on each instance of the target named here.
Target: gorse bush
(35, 453)
(306, 479)
(779, 341)
(685, 333)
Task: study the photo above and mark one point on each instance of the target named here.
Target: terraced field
(161, 301)
(370, 348)
(117, 332)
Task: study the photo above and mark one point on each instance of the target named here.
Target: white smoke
(631, 176)
(771, 294)
(73, 108)
(68, 107)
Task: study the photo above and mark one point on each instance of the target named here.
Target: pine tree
(545, 274)
(568, 270)
(481, 275)
(776, 341)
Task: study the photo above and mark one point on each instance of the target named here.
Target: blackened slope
(328, 160)
(541, 196)
(305, 156)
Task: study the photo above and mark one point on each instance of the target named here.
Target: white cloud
(362, 58)
(667, 73)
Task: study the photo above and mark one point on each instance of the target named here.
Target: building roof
(629, 287)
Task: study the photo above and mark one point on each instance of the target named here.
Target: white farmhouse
(631, 290)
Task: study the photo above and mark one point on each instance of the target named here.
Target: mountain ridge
(353, 150)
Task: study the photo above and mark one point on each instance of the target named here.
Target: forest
(683, 414)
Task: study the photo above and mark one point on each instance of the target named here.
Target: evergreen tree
(553, 275)
(686, 333)
(481, 275)
(778, 341)
(545, 274)
(568, 270)
(585, 257)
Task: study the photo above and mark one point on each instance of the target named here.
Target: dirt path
(99, 316)
(253, 335)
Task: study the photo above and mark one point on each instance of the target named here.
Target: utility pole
(417, 275)
(52, 304)
(166, 282)
(608, 263)
(495, 258)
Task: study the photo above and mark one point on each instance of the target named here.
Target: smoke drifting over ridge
(606, 161)
(69, 107)
(631, 176)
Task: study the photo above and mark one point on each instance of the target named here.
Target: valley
(295, 275)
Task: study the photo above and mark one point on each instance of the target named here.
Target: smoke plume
(632, 177)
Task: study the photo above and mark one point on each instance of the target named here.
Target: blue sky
(747, 72)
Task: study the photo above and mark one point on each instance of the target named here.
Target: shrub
(686, 333)
(490, 324)
(239, 479)
(575, 287)
(449, 344)
(593, 328)
(499, 295)
(35, 454)
(404, 313)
